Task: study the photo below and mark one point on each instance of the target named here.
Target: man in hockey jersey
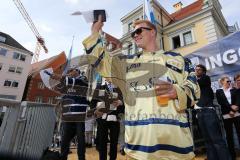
(152, 130)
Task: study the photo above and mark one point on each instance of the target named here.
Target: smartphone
(96, 13)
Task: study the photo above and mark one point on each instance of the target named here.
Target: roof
(12, 42)
(187, 11)
(36, 67)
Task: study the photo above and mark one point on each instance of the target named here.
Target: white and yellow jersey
(152, 132)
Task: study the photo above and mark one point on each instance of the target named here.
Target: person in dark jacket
(237, 81)
(73, 113)
(226, 97)
(109, 122)
(208, 120)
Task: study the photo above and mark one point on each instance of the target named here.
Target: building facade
(187, 29)
(35, 90)
(15, 65)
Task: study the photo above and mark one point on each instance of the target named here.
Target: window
(15, 84)
(15, 69)
(38, 99)
(11, 69)
(176, 42)
(130, 27)
(16, 55)
(2, 39)
(10, 83)
(130, 49)
(8, 96)
(7, 83)
(40, 85)
(3, 51)
(19, 56)
(181, 39)
(187, 37)
(1, 65)
(23, 57)
(19, 70)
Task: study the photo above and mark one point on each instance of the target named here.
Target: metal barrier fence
(26, 130)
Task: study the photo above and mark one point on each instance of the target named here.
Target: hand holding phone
(97, 13)
(97, 25)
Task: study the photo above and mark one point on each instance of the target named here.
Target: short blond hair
(147, 22)
(221, 80)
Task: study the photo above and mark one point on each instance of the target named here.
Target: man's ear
(153, 32)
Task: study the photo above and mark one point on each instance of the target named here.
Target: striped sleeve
(189, 91)
(96, 55)
(108, 66)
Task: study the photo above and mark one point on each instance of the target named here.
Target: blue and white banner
(148, 11)
(220, 58)
(67, 66)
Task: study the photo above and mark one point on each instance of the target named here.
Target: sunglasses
(229, 81)
(139, 31)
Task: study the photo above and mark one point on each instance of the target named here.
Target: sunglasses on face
(229, 81)
(139, 31)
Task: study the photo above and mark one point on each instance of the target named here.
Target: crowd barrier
(198, 140)
(26, 130)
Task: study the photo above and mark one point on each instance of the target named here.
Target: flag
(148, 11)
(68, 60)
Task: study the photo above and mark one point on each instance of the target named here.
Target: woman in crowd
(227, 99)
(237, 81)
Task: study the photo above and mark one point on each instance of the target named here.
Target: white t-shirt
(228, 95)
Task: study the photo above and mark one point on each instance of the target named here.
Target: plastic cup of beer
(162, 100)
(164, 85)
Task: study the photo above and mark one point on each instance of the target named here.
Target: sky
(55, 24)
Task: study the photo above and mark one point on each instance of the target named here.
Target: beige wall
(8, 61)
(199, 35)
(204, 31)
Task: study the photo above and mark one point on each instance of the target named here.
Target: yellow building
(183, 31)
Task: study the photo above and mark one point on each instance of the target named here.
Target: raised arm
(108, 66)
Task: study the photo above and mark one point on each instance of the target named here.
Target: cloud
(45, 28)
(230, 9)
(71, 1)
(30, 45)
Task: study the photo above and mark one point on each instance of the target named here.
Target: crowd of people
(76, 123)
(228, 98)
(149, 135)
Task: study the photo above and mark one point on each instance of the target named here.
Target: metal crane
(40, 40)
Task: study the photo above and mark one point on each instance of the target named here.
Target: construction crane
(40, 40)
